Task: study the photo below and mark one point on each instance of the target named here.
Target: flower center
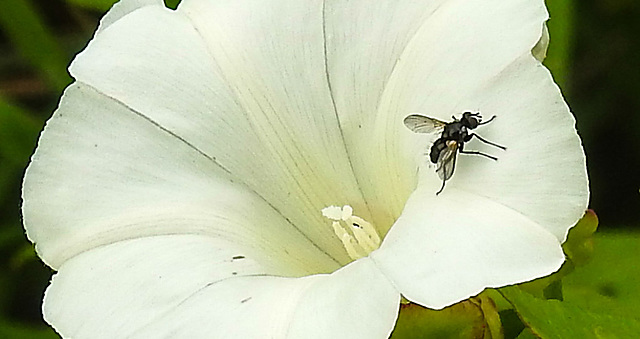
(358, 236)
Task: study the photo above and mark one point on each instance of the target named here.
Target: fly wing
(421, 124)
(447, 160)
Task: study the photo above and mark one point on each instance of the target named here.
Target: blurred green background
(594, 56)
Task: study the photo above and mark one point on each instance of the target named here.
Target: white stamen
(347, 212)
(349, 244)
(332, 212)
(362, 238)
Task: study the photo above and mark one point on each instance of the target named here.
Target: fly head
(471, 120)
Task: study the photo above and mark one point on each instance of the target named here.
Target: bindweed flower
(240, 169)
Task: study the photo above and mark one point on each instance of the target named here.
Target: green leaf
(600, 297)
(609, 282)
(527, 334)
(512, 325)
(553, 291)
(462, 320)
(24, 26)
(579, 244)
(562, 319)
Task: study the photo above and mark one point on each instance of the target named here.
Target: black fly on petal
(451, 141)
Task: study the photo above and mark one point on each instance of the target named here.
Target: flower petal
(365, 43)
(446, 248)
(115, 289)
(542, 174)
(180, 286)
(124, 7)
(102, 173)
(244, 82)
(434, 57)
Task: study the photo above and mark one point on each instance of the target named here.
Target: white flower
(181, 188)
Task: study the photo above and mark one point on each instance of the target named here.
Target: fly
(452, 138)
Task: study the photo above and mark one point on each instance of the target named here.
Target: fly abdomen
(437, 147)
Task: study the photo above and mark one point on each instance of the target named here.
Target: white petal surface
(102, 174)
(113, 290)
(442, 58)
(542, 174)
(444, 249)
(122, 8)
(244, 82)
(366, 42)
(173, 286)
(502, 221)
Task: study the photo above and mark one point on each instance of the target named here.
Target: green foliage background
(593, 55)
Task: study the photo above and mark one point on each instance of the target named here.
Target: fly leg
(479, 153)
(485, 140)
(441, 188)
(461, 150)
